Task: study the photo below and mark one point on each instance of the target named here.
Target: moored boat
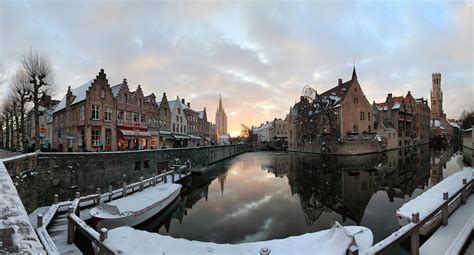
(135, 208)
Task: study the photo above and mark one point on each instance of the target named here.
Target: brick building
(204, 130)
(341, 113)
(179, 123)
(84, 119)
(192, 120)
(153, 117)
(166, 139)
(132, 129)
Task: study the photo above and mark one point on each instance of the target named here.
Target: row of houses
(344, 114)
(98, 117)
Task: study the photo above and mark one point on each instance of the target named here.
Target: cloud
(256, 54)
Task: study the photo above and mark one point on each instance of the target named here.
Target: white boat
(135, 208)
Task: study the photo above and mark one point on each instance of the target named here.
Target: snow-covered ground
(336, 240)
(16, 233)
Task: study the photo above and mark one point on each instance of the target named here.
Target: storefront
(155, 139)
(133, 140)
(194, 141)
(166, 139)
(180, 141)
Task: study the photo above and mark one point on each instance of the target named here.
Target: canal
(268, 195)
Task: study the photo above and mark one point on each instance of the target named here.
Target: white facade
(178, 118)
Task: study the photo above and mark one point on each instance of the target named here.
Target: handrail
(412, 229)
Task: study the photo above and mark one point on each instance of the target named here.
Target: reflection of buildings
(221, 180)
(438, 162)
(346, 185)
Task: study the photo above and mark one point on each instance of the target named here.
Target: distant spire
(354, 75)
(220, 103)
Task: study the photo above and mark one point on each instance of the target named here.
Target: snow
(431, 199)
(79, 94)
(396, 106)
(336, 240)
(18, 235)
(139, 200)
(451, 238)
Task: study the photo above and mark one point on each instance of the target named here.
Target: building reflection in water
(342, 186)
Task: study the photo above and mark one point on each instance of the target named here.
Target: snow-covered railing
(417, 221)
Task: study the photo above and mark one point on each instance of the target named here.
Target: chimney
(339, 81)
(389, 97)
(409, 92)
(182, 101)
(189, 105)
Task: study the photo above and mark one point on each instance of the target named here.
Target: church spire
(354, 75)
(220, 103)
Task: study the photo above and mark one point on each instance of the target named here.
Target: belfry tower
(436, 97)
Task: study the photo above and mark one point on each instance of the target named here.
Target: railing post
(110, 192)
(99, 193)
(464, 191)
(124, 189)
(153, 180)
(56, 198)
(78, 194)
(70, 225)
(415, 235)
(103, 234)
(165, 179)
(172, 177)
(39, 220)
(141, 183)
(444, 211)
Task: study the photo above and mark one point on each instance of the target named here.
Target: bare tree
(8, 113)
(21, 88)
(3, 77)
(39, 70)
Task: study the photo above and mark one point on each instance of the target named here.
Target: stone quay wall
(340, 148)
(38, 176)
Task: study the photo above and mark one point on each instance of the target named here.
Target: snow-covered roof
(201, 114)
(454, 124)
(79, 94)
(115, 89)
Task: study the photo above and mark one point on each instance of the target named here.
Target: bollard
(70, 226)
(153, 180)
(98, 195)
(179, 174)
(78, 194)
(103, 234)
(124, 189)
(110, 192)
(444, 211)
(166, 178)
(464, 191)
(56, 198)
(265, 251)
(39, 220)
(141, 183)
(172, 176)
(415, 235)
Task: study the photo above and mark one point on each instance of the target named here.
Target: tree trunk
(22, 123)
(7, 132)
(36, 114)
(12, 140)
(17, 125)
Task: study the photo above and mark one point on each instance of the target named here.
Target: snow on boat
(135, 208)
(432, 198)
(337, 240)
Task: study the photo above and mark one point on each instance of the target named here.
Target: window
(95, 112)
(362, 115)
(81, 112)
(356, 100)
(120, 116)
(108, 136)
(135, 117)
(140, 102)
(179, 111)
(126, 98)
(108, 114)
(81, 137)
(95, 137)
(174, 127)
(143, 119)
(368, 116)
(370, 130)
(177, 118)
(102, 93)
(356, 129)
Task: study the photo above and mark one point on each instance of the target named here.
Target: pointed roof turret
(354, 75)
(220, 103)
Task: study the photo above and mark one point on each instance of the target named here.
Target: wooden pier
(56, 226)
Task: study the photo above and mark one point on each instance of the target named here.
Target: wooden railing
(412, 229)
(73, 210)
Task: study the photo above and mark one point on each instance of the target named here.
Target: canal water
(268, 195)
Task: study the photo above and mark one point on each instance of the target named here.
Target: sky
(257, 54)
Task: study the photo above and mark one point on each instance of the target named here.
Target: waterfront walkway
(451, 238)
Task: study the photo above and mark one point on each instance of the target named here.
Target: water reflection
(261, 196)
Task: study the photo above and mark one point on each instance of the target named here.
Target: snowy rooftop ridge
(79, 94)
(331, 241)
(23, 237)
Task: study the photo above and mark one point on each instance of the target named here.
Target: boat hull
(135, 218)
